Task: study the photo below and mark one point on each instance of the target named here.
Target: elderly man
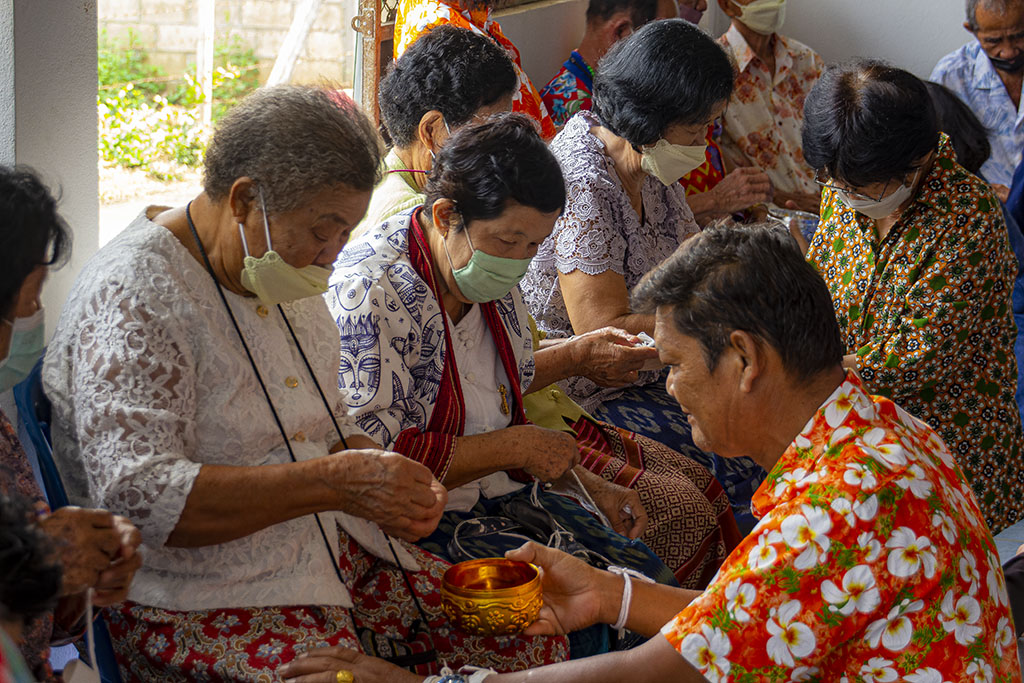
(988, 73)
(871, 561)
(608, 21)
(764, 117)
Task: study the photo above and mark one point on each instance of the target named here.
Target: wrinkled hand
(323, 664)
(742, 188)
(572, 600)
(547, 454)
(1002, 191)
(114, 582)
(610, 357)
(621, 506)
(88, 541)
(400, 495)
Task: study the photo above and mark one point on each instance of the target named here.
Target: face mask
(878, 209)
(272, 279)
(28, 339)
(486, 277)
(668, 163)
(690, 14)
(763, 16)
(1010, 66)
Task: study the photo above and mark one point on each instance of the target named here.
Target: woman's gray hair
(293, 141)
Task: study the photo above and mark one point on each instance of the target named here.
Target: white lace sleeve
(588, 236)
(133, 373)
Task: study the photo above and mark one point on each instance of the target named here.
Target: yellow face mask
(272, 279)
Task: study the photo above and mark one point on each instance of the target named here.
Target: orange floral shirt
(928, 312)
(765, 116)
(416, 17)
(871, 563)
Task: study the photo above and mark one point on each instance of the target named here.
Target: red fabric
(436, 446)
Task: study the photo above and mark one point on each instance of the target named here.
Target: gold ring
(345, 677)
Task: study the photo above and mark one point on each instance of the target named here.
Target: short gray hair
(996, 5)
(293, 141)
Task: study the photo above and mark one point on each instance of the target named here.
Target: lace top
(600, 231)
(149, 382)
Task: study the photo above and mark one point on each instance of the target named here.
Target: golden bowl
(491, 597)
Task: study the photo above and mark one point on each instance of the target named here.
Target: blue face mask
(28, 339)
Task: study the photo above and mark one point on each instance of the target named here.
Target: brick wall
(169, 30)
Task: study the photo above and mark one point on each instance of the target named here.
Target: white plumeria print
(982, 672)
(807, 529)
(860, 476)
(839, 408)
(1004, 634)
(890, 454)
(789, 639)
(909, 554)
(996, 582)
(914, 479)
(895, 630)
(864, 510)
(926, 675)
(867, 541)
(738, 596)
(764, 554)
(859, 592)
(945, 524)
(795, 479)
(878, 670)
(708, 651)
(961, 617)
(802, 674)
(969, 573)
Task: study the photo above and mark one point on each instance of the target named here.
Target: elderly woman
(872, 560)
(689, 522)
(97, 548)
(436, 350)
(914, 251)
(416, 18)
(655, 95)
(193, 376)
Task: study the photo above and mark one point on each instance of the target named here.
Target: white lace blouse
(600, 231)
(149, 382)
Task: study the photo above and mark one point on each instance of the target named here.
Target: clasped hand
(610, 357)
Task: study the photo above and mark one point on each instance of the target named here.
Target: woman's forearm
(228, 502)
(553, 363)
(482, 454)
(655, 661)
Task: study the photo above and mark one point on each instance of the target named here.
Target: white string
(90, 637)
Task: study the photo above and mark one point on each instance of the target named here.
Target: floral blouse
(927, 311)
(765, 116)
(871, 563)
(416, 17)
(599, 231)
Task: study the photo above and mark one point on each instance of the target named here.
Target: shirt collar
(984, 74)
(744, 55)
(800, 459)
(945, 161)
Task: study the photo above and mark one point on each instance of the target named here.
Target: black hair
(484, 167)
(640, 11)
(751, 278)
(293, 141)
(30, 571)
(867, 122)
(33, 234)
(666, 73)
(965, 131)
(451, 70)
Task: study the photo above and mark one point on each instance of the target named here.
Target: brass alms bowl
(491, 597)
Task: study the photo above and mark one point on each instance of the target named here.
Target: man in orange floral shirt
(871, 562)
(766, 112)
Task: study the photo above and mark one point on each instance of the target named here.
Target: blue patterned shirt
(969, 73)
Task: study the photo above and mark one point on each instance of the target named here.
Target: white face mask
(878, 209)
(668, 163)
(763, 16)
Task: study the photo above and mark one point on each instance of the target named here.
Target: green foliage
(154, 123)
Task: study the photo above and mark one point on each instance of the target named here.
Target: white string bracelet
(627, 575)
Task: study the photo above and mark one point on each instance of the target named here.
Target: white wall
(545, 34)
(7, 83)
(55, 119)
(912, 34)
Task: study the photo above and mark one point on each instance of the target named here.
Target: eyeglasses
(822, 178)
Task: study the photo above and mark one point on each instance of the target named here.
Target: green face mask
(272, 279)
(486, 277)
(28, 339)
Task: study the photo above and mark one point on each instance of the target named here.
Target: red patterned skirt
(251, 644)
(691, 526)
